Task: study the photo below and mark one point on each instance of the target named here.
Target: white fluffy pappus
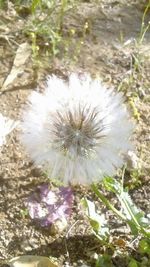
(6, 126)
(77, 131)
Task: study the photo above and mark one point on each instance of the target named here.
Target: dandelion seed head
(77, 131)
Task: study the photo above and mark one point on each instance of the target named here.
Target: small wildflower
(73, 31)
(47, 206)
(78, 131)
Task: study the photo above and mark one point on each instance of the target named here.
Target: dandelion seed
(78, 131)
(6, 126)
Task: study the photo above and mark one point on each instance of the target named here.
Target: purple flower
(46, 205)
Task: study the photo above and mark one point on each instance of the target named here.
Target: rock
(58, 226)
(132, 161)
(31, 261)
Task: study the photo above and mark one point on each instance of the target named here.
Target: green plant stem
(118, 213)
(62, 12)
(143, 28)
(139, 227)
(107, 203)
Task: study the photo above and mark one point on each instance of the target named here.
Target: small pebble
(132, 161)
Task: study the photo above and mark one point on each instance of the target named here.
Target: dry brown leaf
(31, 261)
(120, 242)
(22, 55)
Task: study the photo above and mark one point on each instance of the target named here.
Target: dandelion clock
(77, 131)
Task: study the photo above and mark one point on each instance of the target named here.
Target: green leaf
(133, 263)
(104, 261)
(134, 216)
(34, 5)
(144, 246)
(111, 184)
(97, 221)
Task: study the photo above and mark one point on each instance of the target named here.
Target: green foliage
(136, 113)
(135, 179)
(43, 29)
(133, 263)
(134, 217)
(129, 213)
(97, 221)
(35, 4)
(24, 213)
(45, 25)
(2, 3)
(144, 28)
(144, 246)
(137, 62)
(104, 261)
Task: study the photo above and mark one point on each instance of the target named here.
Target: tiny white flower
(78, 131)
(6, 126)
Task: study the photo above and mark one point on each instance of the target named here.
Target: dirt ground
(107, 50)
